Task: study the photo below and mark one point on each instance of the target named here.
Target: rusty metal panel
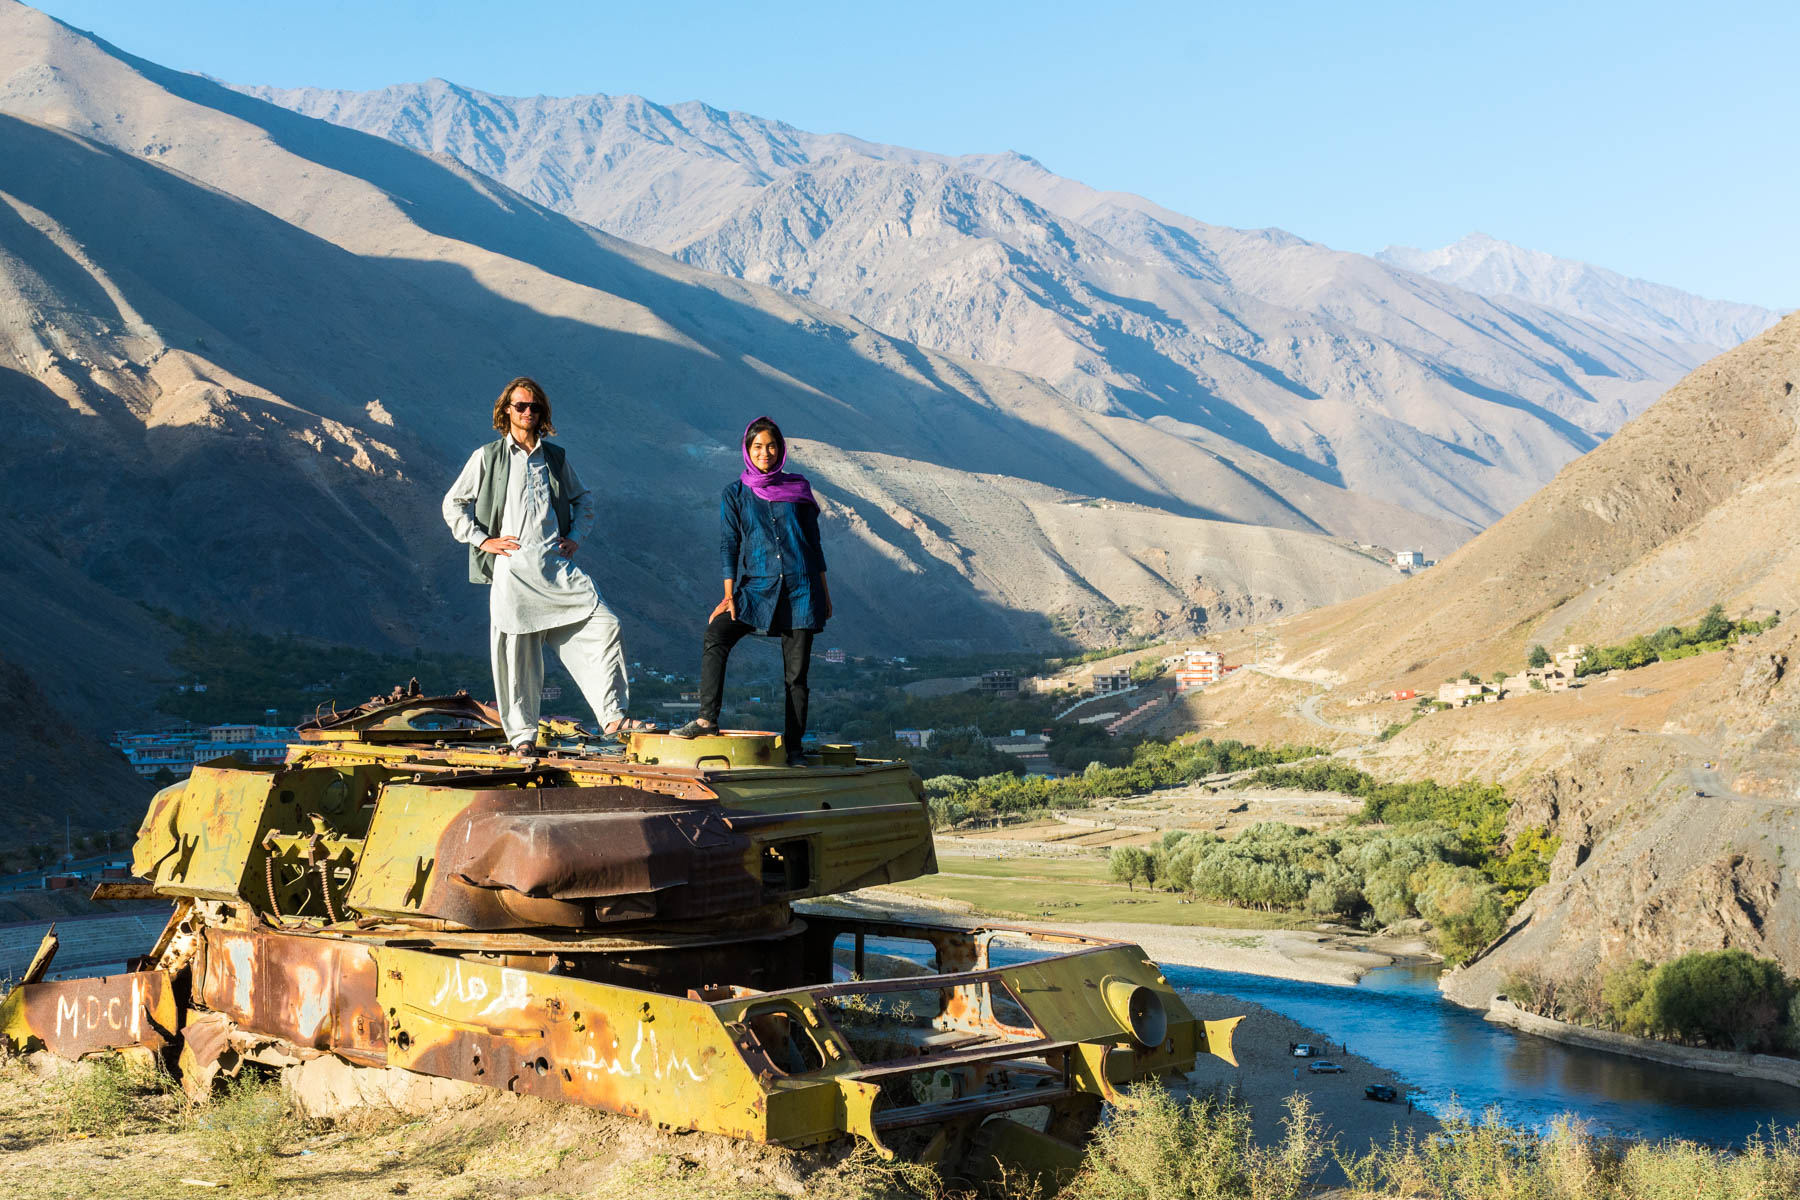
(657, 1057)
(215, 829)
(311, 991)
(74, 1017)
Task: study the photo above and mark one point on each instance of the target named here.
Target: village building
(1460, 692)
(1001, 680)
(177, 751)
(1106, 683)
(1199, 668)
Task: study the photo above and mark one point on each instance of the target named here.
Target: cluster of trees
(1475, 812)
(1714, 631)
(957, 798)
(1376, 877)
(1725, 999)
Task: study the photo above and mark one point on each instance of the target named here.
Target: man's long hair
(544, 427)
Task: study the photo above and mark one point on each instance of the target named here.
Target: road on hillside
(1309, 707)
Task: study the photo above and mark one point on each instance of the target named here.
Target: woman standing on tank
(774, 573)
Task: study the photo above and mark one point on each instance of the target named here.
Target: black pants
(796, 656)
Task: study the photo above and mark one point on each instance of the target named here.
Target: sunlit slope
(1696, 502)
(264, 344)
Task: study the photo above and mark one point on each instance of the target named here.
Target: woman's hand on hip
(503, 546)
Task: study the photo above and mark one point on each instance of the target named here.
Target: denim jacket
(770, 550)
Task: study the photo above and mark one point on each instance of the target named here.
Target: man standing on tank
(523, 512)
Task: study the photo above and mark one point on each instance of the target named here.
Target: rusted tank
(642, 929)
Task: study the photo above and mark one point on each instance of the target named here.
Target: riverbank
(1722, 1062)
(1335, 957)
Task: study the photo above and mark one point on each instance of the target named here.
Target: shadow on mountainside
(231, 517)
(455, 202)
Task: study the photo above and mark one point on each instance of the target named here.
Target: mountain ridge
(1396, 384)
(1493, 267)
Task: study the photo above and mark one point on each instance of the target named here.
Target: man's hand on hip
(567, 547)
(503, 546)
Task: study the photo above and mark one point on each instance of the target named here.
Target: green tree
(1714, 626)
(1537, 657)
(1622, 997)
(1466, 910)
(1127, 865)
(1726, 997)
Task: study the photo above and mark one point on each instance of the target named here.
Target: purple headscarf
(776, 485)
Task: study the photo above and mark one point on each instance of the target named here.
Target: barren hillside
(1672, 786)
(1696, 502)
(257, 346)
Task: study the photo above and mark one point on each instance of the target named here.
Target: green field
(1073, 890)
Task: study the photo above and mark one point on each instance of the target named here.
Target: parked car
(1325, 1068)
(1380, 1091)
(1303, 1051)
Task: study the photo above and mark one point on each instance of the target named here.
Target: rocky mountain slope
(1695, 502)
(1653, 311)
(253, 348)
(1672, 786)
(1340, 367)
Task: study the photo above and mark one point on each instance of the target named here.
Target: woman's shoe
(796, 758)
(694, 729)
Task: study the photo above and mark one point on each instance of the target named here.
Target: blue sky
(1655, 139)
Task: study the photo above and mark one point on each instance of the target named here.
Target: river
(1396, 1019)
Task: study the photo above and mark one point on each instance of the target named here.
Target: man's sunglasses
(530, 407)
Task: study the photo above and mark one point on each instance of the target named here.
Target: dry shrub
(1164, 1148)
(92, 1098)
(1492, 1161)
(243, 1128)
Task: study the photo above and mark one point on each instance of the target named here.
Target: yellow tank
(625, 928)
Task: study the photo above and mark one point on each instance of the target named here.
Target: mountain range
(1455, 401)
(1651, 311)
(254, 348)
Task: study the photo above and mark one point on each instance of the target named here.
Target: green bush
(1714, 631)
(1433, 825)
(1726, 998)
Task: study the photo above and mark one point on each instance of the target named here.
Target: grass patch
(1076, 870)
(1076, 901)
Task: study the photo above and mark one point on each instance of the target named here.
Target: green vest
(490, 498)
